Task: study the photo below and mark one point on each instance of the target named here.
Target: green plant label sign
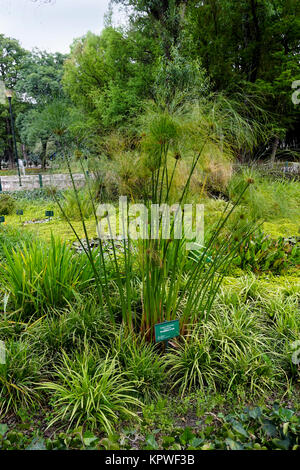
(20, 212)
(166, 330)
(2, 219)
(49, 213)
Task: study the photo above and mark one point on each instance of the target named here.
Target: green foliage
(40, 77)
(119, 78)
(162, 260)
(229, 350)
(264, 65)
(35, 195)
(266, 198)
(260, 253)
(12, 238)
(44, 123)
(179, 80)
(71, 207)
(7, 204)
(71, 328)
(39, 276)
(19, 375)
(12, 57)
(142, 366)
(90, 391)
(247, 428)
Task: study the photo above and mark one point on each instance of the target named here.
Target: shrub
(70, 204)
(260, 253)
(90, 391)
(7, 204)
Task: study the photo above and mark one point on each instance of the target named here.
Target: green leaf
(233, 445)
(151, 442)
(269, 428)
(89, 438)
(239, 429)
(281, 444)
(109, 445)
(255, 413)
(196, 442)
(186, 436)
(37, 444)
(168, 440)
(285, 414)
(3, 429)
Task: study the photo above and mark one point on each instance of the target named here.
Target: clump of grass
(230, 350)
(71, 207)
(7, 204)
(70, 328)
(19, 376)
(266, 198)
(39, 276)
(12, 238)
(90, 391)
(142, 365)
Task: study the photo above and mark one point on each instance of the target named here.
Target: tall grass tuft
(90, 391)
(38, 276)
(19, 375)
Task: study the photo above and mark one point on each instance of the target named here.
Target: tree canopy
(172, 52)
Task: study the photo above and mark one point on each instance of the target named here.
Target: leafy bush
(45, 194)
(42, 275)
(90, 391)
(269, 429)
(7, 204)
(71, 207)
(259, 253)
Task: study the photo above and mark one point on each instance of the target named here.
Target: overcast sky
(51, 24)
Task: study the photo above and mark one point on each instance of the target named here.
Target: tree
(110, 75)
(43, 125)
(12, 57)
(40, 77)
(253, 46)
(161, 18)
(40, 85)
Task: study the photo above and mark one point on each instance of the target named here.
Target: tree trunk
(10, 145)
(44, 153)
(274, 150)
(24, 153)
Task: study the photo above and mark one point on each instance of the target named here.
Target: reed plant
(168, 290)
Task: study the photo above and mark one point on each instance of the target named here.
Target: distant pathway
(59, 181)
